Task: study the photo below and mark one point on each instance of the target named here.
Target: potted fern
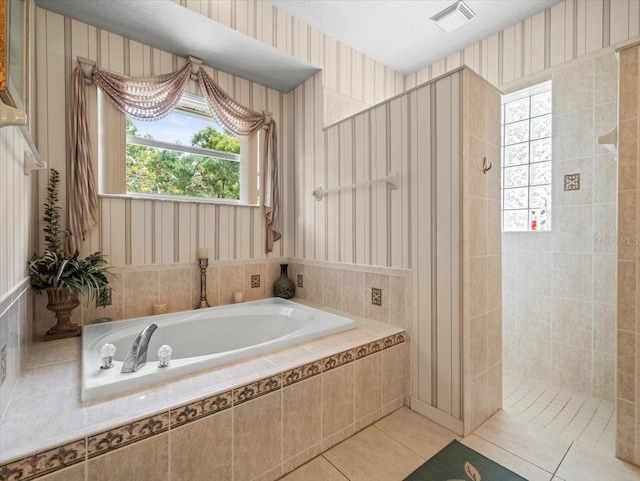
(64, 277)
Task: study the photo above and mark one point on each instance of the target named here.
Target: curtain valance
(151, 98)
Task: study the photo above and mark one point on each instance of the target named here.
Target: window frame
(113, 140)
(526, 93)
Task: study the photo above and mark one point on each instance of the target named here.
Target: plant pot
(284, 287)
(62, 302)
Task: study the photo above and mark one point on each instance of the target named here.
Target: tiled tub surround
(253, 420)
(15, 335)
(137, 288)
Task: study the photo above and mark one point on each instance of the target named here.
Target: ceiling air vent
(452, 17)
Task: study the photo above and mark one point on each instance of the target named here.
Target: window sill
(170, 198)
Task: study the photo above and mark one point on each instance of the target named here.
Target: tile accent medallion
(46, 462)
(255, 281)
(376, 296)
(572, 182)
(301, 281)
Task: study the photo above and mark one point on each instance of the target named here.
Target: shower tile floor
(587, 420)
(543, 434)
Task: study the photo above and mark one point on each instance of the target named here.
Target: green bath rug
(456, 462)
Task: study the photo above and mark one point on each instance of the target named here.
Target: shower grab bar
(393, 179)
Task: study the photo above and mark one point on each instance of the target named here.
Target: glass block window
(526, 159)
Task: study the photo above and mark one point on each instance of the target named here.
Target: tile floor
(586, 419)
(396, 445)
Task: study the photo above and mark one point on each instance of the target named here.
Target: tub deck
(45, 412)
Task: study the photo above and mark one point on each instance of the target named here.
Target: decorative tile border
(200, 409)
(257, 389)
(368, 349)
(44, 463)
(52, 460)
(301, 373)
(337, 360)
(124, 435)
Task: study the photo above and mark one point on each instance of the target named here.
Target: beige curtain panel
(149, 99)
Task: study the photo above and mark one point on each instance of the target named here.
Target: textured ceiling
(168, 26)
(399, 34)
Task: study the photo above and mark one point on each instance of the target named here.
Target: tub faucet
(137, 356)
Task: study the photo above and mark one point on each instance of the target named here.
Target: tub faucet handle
(106, 353)
(164, 355)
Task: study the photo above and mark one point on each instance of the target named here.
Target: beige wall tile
(627, 224)
(494, 389)
(257, 437)
(124, 463)
(475, 234)
(478, 288)
(628, 85)
(627, 365)
(626, 428)
(231, 281)
(141, 291)
(301, 422)
(604, 376)
(368, 385)
(477, 151)
(315, 284)
(75, 473)
(627, 295)
(571, 367)
(477, 406)
(475, 108)
(573, 87)
(604, 120)
(115, 311)
(175, 289)
(333, 287)
(337, 400)
(394, 372)
(534, 276)
(604, 282)
(380, 281)
(494, 228)
(572, 323)
(202, 447)
(605, 176)
(494, 337)
(294, 271)
(494, 103)
(255, 293)
(533, 357)
(494, 283)
(604, 328)
(534, 315)
(573, 135)
(605, 232)
(573, 276)
(353, 288)
(573, 228)
(605, 85)
(399, 315)
(478, 346)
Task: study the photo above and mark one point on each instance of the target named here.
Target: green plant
(53, 269)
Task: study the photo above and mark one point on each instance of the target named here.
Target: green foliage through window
(153, 170)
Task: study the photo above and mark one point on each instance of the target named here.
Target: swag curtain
(149, 99)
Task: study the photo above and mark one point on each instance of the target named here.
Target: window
(526, 159)
(183, 154)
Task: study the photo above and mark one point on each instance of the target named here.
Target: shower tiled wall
(559, 287)
(628, 341)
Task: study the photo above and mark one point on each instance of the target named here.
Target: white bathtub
(200, 339)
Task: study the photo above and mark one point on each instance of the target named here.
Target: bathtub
(200, 339)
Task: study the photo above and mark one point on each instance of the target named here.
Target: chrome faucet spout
(137, 356)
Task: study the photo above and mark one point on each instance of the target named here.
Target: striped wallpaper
(344, 69)
(566, 31)
(142, 232)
